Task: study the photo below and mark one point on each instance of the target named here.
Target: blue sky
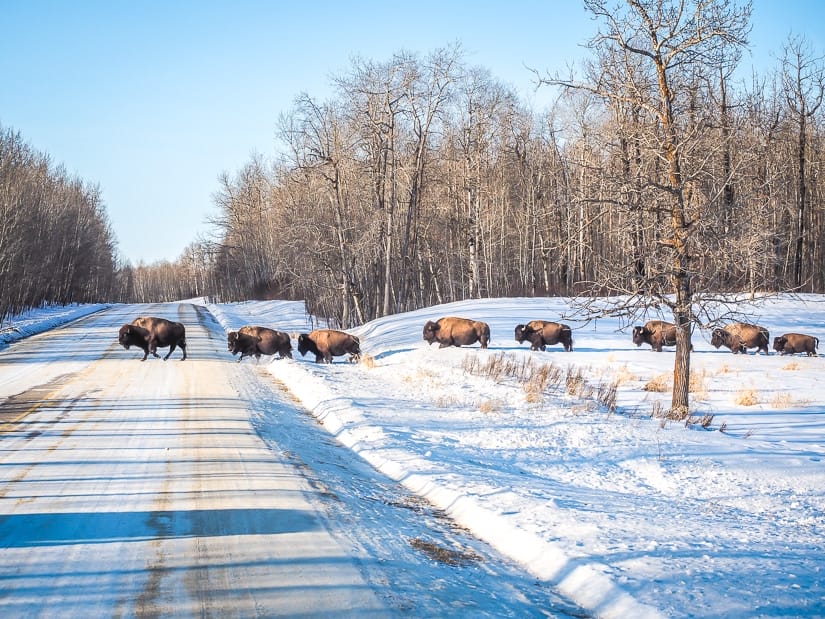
(153, 100)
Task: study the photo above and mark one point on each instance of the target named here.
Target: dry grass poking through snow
(746, 397)
(663, 383)
(538, 380)
(783, 400)
(658, 384)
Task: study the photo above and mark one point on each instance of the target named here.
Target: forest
(662, 168)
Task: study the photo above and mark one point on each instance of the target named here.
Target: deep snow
(626, 514)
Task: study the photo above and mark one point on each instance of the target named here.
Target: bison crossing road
(150, 333)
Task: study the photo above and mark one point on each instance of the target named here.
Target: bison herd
(150, 333)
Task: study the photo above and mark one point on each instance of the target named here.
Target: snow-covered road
(196, 488)
(153, 468)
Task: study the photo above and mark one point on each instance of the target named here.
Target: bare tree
(803, 80)
(654, 56)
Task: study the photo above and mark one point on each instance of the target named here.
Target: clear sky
(153, 100)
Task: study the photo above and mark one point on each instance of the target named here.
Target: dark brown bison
(542, 333)
(739, 336)
(257, 341)
(149, 333)
(657, 333)
(329, 343)
(792, 343)
(453, 331)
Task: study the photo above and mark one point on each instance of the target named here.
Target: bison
(149, 333)
(329, 343)
(542, 333)
(739, 336)
(791, 343)
(657, 333)
(453, 331)
(258, 341)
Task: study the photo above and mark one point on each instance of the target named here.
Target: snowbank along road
(198, 488)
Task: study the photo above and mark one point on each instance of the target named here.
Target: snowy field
(625, 513)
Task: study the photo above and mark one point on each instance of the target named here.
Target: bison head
(430, 330)
(640, 336)
(231, 341)
(245, 344)
(305, 344)
(522, 331)
(779, 343)
(719, 337)
(129, 335)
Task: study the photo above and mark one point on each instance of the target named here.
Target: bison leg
(172, 347)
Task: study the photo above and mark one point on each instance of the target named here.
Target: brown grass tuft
(724, 369)
(490, 406)
(623, 375)
(746, 397)
(658, 384)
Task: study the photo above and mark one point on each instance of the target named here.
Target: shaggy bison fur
(329, 343)
(257, 341)
(542, 333)
(149, 333)
(739, 336)
(792, 343)
(452, 331)
(657, 333)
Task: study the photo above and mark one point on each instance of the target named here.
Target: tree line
(56, 244)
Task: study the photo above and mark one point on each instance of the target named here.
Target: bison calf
(542, 333)
(792, 343)
(257, 341)
(739, 336)
(149, 333)
(452, 331)
(328, 343)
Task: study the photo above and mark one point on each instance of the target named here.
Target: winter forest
(664, 170)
